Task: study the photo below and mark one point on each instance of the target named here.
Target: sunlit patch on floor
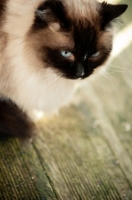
(122, 40)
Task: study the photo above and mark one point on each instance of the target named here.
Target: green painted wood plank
(21, 174)
(81, 157)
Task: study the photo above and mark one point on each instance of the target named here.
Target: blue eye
(66, 54)
(95, 54)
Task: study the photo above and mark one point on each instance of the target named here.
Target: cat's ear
(51, 12)
(111, 12)
(46, 12)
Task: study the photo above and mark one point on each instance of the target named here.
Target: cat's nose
(79, 70)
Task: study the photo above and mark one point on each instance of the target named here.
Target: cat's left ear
(110, 12)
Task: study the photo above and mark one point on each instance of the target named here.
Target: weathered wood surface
(85, 152)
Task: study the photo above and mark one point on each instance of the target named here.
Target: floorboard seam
(49, 179)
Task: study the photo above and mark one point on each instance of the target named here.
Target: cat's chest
(55, 94)
(46, 92)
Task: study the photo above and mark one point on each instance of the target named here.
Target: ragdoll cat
(46, 47)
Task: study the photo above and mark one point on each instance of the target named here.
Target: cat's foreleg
(14, 122)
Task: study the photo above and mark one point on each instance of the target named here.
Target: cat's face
(74, 37)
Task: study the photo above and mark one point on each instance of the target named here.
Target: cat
(46, 48)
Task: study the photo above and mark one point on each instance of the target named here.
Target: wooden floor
(85, 152)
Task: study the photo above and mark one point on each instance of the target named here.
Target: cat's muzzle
(79, 71)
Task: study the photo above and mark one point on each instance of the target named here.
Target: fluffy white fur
(29, 86)
(22, 75)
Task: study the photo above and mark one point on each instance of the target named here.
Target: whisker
(118, 68)
(55, 85)
(54, 80)
(50, 87)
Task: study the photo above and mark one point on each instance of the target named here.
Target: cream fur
(84, 8)
(27, 85)
(23, 77)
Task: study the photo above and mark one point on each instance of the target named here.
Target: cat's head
(74, 37)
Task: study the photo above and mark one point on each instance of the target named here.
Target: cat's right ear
(45, 15)
(51, 12)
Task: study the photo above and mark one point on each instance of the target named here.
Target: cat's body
(47, 46)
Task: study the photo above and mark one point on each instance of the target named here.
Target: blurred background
(84, 152)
